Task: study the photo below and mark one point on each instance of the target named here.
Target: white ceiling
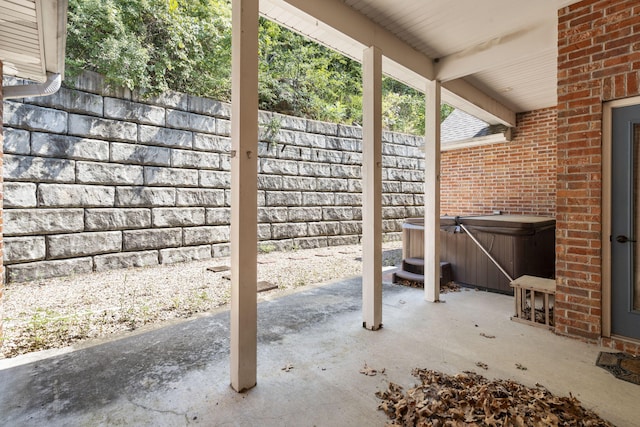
(494, 57)
(32, 37)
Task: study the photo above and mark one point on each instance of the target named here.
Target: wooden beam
(432, 193)
(338, 16)
(497, 51)
(372, 189)
(468, 98)
(244, 188)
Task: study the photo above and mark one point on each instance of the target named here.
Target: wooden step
(413, 265)
(406, 275)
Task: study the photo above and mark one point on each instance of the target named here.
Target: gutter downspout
(49, 87)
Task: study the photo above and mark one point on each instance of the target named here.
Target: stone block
(270, 215)
(318, 199)
(414, 211)
(47, 269)
(175, 255)
(138, 240)
(32, 117)
(397, 199)
(342, 144)
(213, 143)
(214, 179)
(288, 230)
(332, 184)
(394, 212)
(199, 197)
(178, 217)
(304, 214)
(290, 152)
(337, 214)
(68, 147)
(283, 198)
(37, 169)
(311, 140)
(167, 99)
(354, 185)
(71, 195)
(323, 228)
(220, 250)
(225, 162)
(391, 187)
(343, 240)
(389, 162)
(125, 260)
(264, 231)
(170, 177)
(194, 159)
(348, 199)
(412, 187)
(345, 131)
(83, 244)
(394, 150)
(94, 127)
(19, 195)
(269, 182)
(291, 122)
(223, 127)
(298, 183)
(190, 121)
(209, 107)
(71, 101)
(121, 109)
(310, 242)
(357, 213)
(390, 225)
(350, 227)
(206, 235)
(145, 196)
(19, 222)
(21, 249)
(327, 156)
(278, 167)
(350, 158)
(16, 141)
(165, 137)
(140, 154)
(314, 169)
(399, 175)
(116, 219)
(218, 216)
(345, 171)
(109, 173)
(325, 128)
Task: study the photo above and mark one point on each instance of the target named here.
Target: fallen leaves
(287, 367)
(521, 367)
(469, 399)
(482, 334)
(482, 365)
(369, 371)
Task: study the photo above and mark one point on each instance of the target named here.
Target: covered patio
(178, 374)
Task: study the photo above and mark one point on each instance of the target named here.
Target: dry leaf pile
(469, 399)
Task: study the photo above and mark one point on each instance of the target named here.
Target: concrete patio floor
(178, 374)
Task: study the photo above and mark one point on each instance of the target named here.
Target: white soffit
(32, 37)
(505, 49)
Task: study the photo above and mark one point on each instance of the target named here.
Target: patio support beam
(244, 189)
(432, 193)
(372, 188)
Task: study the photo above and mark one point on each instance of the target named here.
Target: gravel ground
(54, 313)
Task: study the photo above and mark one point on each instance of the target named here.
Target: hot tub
(520, 244)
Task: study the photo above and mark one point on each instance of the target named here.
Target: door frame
(607, 131)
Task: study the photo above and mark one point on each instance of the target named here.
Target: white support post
(244, 189)
(432, 193)
(372, 189)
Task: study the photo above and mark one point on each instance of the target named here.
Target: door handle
(623, 239)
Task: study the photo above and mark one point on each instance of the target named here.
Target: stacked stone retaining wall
(98, 179)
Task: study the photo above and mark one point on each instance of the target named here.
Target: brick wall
(599, 59)
(99, 178)
(517, 177)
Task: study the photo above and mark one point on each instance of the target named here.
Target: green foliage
(185, 45)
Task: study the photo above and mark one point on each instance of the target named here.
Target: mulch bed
(469, 399)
